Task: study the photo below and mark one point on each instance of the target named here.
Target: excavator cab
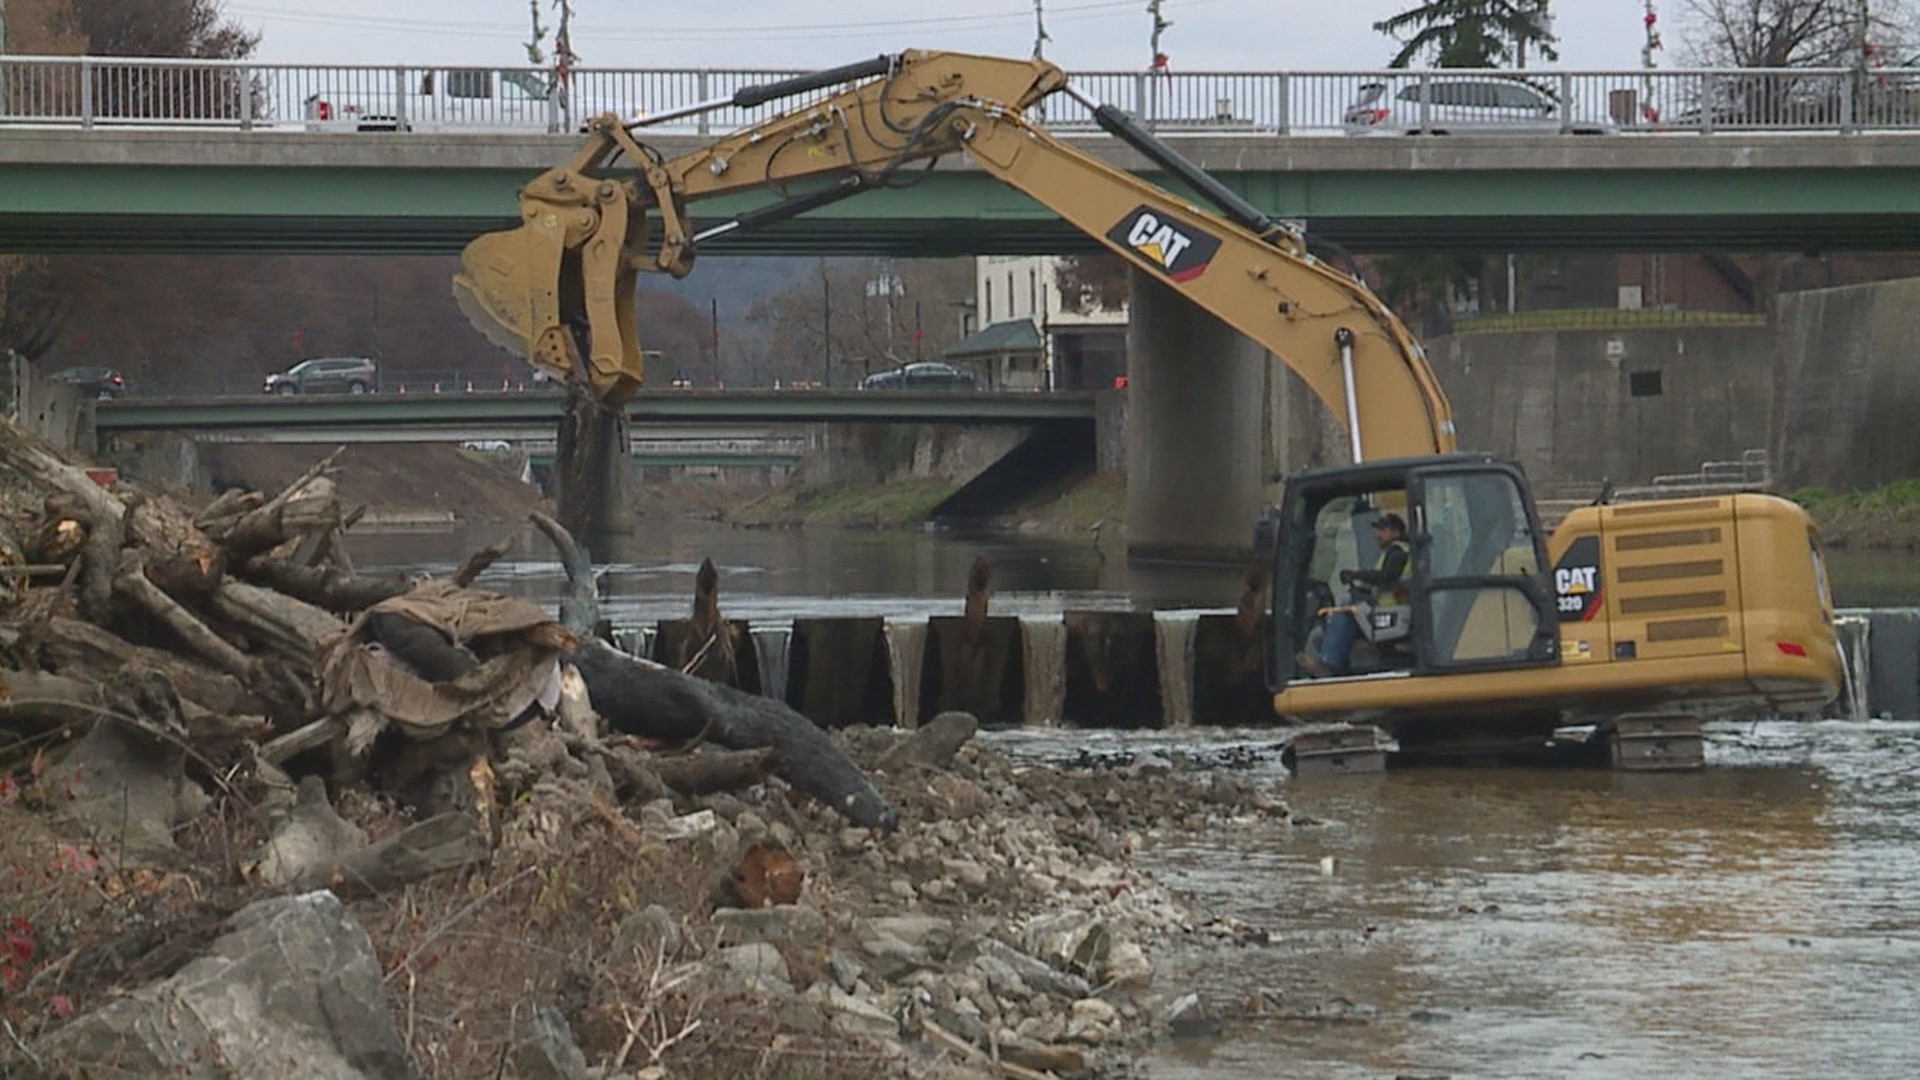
(1477, 595)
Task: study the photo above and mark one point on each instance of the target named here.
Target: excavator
(1633, 621)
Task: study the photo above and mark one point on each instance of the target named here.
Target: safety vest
(1397, 594)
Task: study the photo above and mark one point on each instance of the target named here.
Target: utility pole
(714, 317)
(826, 327)
(1040, 36)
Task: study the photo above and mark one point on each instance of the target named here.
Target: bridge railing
(90, 92)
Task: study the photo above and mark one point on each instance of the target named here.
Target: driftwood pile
(241, 636)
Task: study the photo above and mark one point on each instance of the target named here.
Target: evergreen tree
(1471, 33)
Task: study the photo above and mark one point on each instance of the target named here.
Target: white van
(445, 99)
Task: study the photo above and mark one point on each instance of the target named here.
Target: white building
(1068, 350)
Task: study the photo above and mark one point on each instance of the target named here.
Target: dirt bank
(388, 478)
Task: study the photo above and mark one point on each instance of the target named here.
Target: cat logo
(1175, 249)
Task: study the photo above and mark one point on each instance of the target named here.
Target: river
(1760, 918)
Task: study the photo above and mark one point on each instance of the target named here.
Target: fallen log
(134, 584)
(34, 702)
(638, 697)
(702, 774)
(290, 514)
(291, 627)
(325, 586)
(446, 842)
(181, 559)
(73, 645)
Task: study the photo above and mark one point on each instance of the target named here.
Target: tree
(855, 316)
(193, 29)
(1795, 33)
(1089, 283)
(1471, 33)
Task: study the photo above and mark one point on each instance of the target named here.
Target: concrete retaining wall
(1564, 404)
(1849, 386)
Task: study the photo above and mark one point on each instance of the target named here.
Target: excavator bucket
(531, 289)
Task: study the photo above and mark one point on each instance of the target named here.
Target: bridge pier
(1197, 455)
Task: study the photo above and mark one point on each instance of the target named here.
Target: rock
(902, 889)
(652, 930)
(1229, 791)
(958, 798)
(1073, 941)
(545, 1049)
(312, 836)
(929, 932)
(127, 793)
(1033, 972)
(1189, 1016)
(933, 745)
(969, 874)
(686, 827)
(1056, 1059)
(1127, 967)
(846, 971)
(962, 1020)
(853, 1015)
(728, 807)
(893, 959)
(292, 989)
(1090, 1020)
(751, 925)
(853, 840)
(758, 961)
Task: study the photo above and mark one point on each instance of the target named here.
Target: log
(227, 508)
(35, 702)
(301, 739)
(700, 774)
(73, 644)
(478, 562)
(100, 561)
(272, 525)
(291, 627)
(325, 587)
(638, 697)
(134, 584)
(446, 842)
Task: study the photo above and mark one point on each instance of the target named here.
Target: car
(326, 374)
(925, 375)
(102, 382)
(1463, 105)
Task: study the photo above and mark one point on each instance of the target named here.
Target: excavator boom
(564, 278)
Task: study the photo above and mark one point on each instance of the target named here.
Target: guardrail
(117, 92)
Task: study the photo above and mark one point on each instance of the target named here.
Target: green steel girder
(452, 411)
(298, 209)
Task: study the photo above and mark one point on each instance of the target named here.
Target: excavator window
(1477, 570)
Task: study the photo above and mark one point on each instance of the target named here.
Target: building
(1062, 348)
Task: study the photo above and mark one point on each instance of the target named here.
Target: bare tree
(1796, 33)
(196, 29)
(1089, 283)
(856, 316)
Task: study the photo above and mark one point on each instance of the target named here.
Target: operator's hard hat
(1391, 521)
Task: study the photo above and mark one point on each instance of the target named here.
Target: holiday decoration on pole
(1160, 24)
(1649, 111)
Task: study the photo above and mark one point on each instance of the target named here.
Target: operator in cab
(1384, 582)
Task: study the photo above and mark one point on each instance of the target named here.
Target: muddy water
(1761, 918)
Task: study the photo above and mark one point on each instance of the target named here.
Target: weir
(1115, 669)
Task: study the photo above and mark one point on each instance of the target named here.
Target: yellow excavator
(1639, 619)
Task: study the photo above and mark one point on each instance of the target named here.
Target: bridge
(1803, 160)
(507, 415)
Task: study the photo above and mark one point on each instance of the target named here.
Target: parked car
(1463, 105)
(926, 375)
(327, 375)
(101, 382)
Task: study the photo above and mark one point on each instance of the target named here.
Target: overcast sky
(1257, 35)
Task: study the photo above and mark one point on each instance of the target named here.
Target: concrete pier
(1196, 429)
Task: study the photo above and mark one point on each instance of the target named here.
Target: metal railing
(93, 92)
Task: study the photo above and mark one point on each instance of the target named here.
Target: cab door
(1483, 598)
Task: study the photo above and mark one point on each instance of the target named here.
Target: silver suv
(1459, 105)
(327, 375)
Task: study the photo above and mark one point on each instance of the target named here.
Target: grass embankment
(893, 504)
(1884, 517)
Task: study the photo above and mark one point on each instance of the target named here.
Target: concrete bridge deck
(125, 190)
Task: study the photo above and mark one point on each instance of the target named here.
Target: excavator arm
(554, 276)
